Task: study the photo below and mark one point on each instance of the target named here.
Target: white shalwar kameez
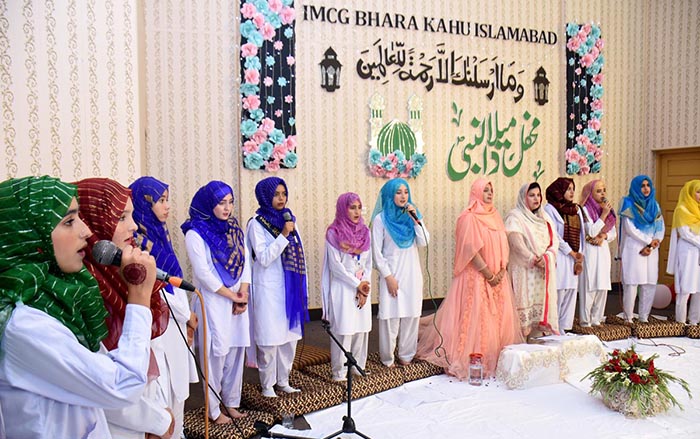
(567, 281)
(398, 316)
(275, 341)
(342, 274)
(684, 264)
(52, 387)
(595, 281)
(637, 270)
(228, 335)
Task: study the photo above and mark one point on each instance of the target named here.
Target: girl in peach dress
(478, 313)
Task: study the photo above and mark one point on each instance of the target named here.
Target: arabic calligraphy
(441, 67)
(490, 149)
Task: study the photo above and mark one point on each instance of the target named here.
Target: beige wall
(191, 106)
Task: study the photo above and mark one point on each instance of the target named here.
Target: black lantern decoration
(541, 86)
(330, 70)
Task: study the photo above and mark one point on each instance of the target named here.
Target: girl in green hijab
(55, 380)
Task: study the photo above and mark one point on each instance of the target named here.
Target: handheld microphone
(288, 217)
(107, 253)
(412, 213)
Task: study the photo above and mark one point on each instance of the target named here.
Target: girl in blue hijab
(279, 293)
(215, 246)
(641, 231)
(397, 232)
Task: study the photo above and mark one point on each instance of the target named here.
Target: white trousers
(682, 308)
(226, 378)
(646, 299)
(356, 344)
(406, 329)
(275, 363)
(566, 304)
(592, 306)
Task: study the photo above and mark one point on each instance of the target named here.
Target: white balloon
(662, 298)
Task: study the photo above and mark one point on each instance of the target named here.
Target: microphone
(288, 217)
(107, 253)
(412, 213)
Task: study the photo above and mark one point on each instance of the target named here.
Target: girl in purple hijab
(345, 284)
(278, 295)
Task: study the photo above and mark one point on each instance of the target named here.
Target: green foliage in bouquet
(634, 386)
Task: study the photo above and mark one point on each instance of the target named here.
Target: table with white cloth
(524, 366)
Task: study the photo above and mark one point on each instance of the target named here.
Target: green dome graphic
(396, 136)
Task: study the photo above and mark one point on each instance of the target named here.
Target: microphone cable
(439, 350)
(203, 374)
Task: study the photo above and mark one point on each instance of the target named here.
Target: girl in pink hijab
(477, 314)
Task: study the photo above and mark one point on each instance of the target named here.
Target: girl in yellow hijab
(684, 252)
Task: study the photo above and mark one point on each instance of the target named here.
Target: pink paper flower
(573, 44)
(272, 166)
(251, 102)
(600, 44)
(252, 76)
(393, 173)
(291, 60)
(278, 113)
(572, 155)
(248, 10)
(595, 52)
(598, 154)
(267, 125)
(572, 116)
(583, 140)
(287, 15)
(586, 29)
(598, 79)
(597, 104)
(250, 146)
(259, 137)
(275, 5)
(582, 161)
(259, 20)
(578, 70)
(267, 31)
(249, 49)
(279, 152)
(288, 99)
(290, 143)
(585, 100)
(267, 81)
(585, 170)
(586, 60)
(578, 127)
(376, 170)
(278, 45)
(594, 124)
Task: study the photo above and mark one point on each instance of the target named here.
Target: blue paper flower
(387, 165)
(253, 161)
(282, 81)
(291, 121)
(261, 5)
(290, 160)
(252, 62)
(577, 99)
(248, 127)
(597, 91)
(374, 156)
(270, 61)
(249, 89)
(256, 38)
(289, 33)
(276, 136)
(597, 114)
(287, 2)
(419, 160)
(571, 29)
(590, 133)
(274, 20)
(266, 150)
(570, 134)
(400, 156)
(584, 117)
(270, 100)
(572, 168)
(595, 31)
(257, 115)
(247, 29)
(580, 148)
(595, 167)
(571, 61)
(583, 82)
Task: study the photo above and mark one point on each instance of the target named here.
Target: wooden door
(673, 168)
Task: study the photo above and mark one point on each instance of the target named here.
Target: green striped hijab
(30, 208)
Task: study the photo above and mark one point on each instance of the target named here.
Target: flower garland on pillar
(267, 90)
(584, 104)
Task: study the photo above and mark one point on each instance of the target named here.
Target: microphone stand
(348, 422)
